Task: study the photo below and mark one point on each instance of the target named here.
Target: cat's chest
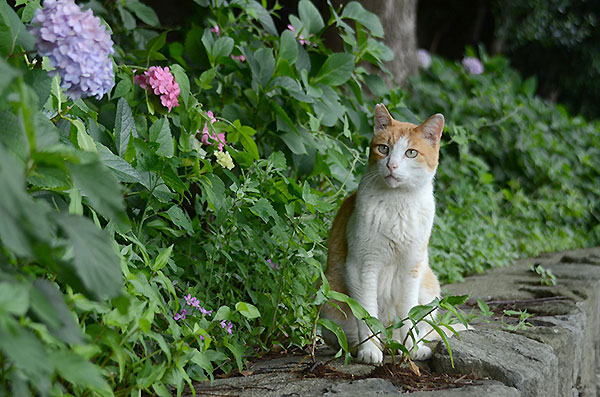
(395, 221)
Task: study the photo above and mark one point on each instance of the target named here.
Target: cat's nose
(392, 165)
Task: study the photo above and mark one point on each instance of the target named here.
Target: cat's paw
(369, 353)
(423, 353)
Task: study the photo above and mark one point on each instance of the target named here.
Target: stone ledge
(557, 356)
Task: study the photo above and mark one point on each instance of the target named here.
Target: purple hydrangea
(472, 65)
(78, 46)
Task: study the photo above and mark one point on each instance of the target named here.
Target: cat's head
(405, 155)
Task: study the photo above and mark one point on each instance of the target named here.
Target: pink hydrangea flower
(162, 82)
(210, 137)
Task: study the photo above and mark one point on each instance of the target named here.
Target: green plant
(546, 275)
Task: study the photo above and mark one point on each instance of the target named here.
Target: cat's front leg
(362, 282)
(407, 334)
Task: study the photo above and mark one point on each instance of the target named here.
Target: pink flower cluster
(161, 82)
(210, 137)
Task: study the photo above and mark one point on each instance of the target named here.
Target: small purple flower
(472, 65)
(240, 58)
(188, 299)
(179, 316)
(215, 29)
(78, 46)
(227, 326)
(423, 59)
(201, 337)
(272, 265)
(301, 38)
(205, 312)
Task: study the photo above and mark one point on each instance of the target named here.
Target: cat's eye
(411, 153)
(383, 149)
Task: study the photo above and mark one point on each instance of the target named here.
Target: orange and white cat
(377, 249)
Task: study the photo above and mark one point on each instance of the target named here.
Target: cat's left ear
(432, 128)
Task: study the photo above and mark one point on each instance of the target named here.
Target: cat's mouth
(391, 177)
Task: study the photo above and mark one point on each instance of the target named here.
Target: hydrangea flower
(224, 160)
(423, 59)
(77, 45)
(209, 137)
(162, 82)
(472, 65)
(227, 326)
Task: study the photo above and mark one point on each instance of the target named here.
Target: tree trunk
(399, 20)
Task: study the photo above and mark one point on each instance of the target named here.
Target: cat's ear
(432, 128)
(382, 118)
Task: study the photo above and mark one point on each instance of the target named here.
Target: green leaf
(122, 88)
(417, 313)
(247, 310)
(101, 188)
(442, 335)
(95, 262)
(160, 132)
(221, 48)
(26, 353)
(310, 16)
(143, 12)
(84, 140)
(336, 70)
(124, 126)
(337, 330)
(250, 146)
(294, 142)
(163, 258)
(79, 371)
(288, 46)
(48, 304)
(206, 78)
(14, 298)
(8, 74)
(183, 81)
(257, 11)
(355, 10)
(263, 209)
(180, 219)
(19, 33)
(262, 64)
(214, 189)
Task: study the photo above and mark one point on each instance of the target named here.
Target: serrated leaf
(100, 187)
(160, 132)
(79, 371)
(263, 209)
(95, 262)
(124, 126)
(336, 70)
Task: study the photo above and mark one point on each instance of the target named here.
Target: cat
(377, 248)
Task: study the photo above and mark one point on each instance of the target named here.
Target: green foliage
(518, 167)
(115, 214)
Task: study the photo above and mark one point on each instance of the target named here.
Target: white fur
(387, 234)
